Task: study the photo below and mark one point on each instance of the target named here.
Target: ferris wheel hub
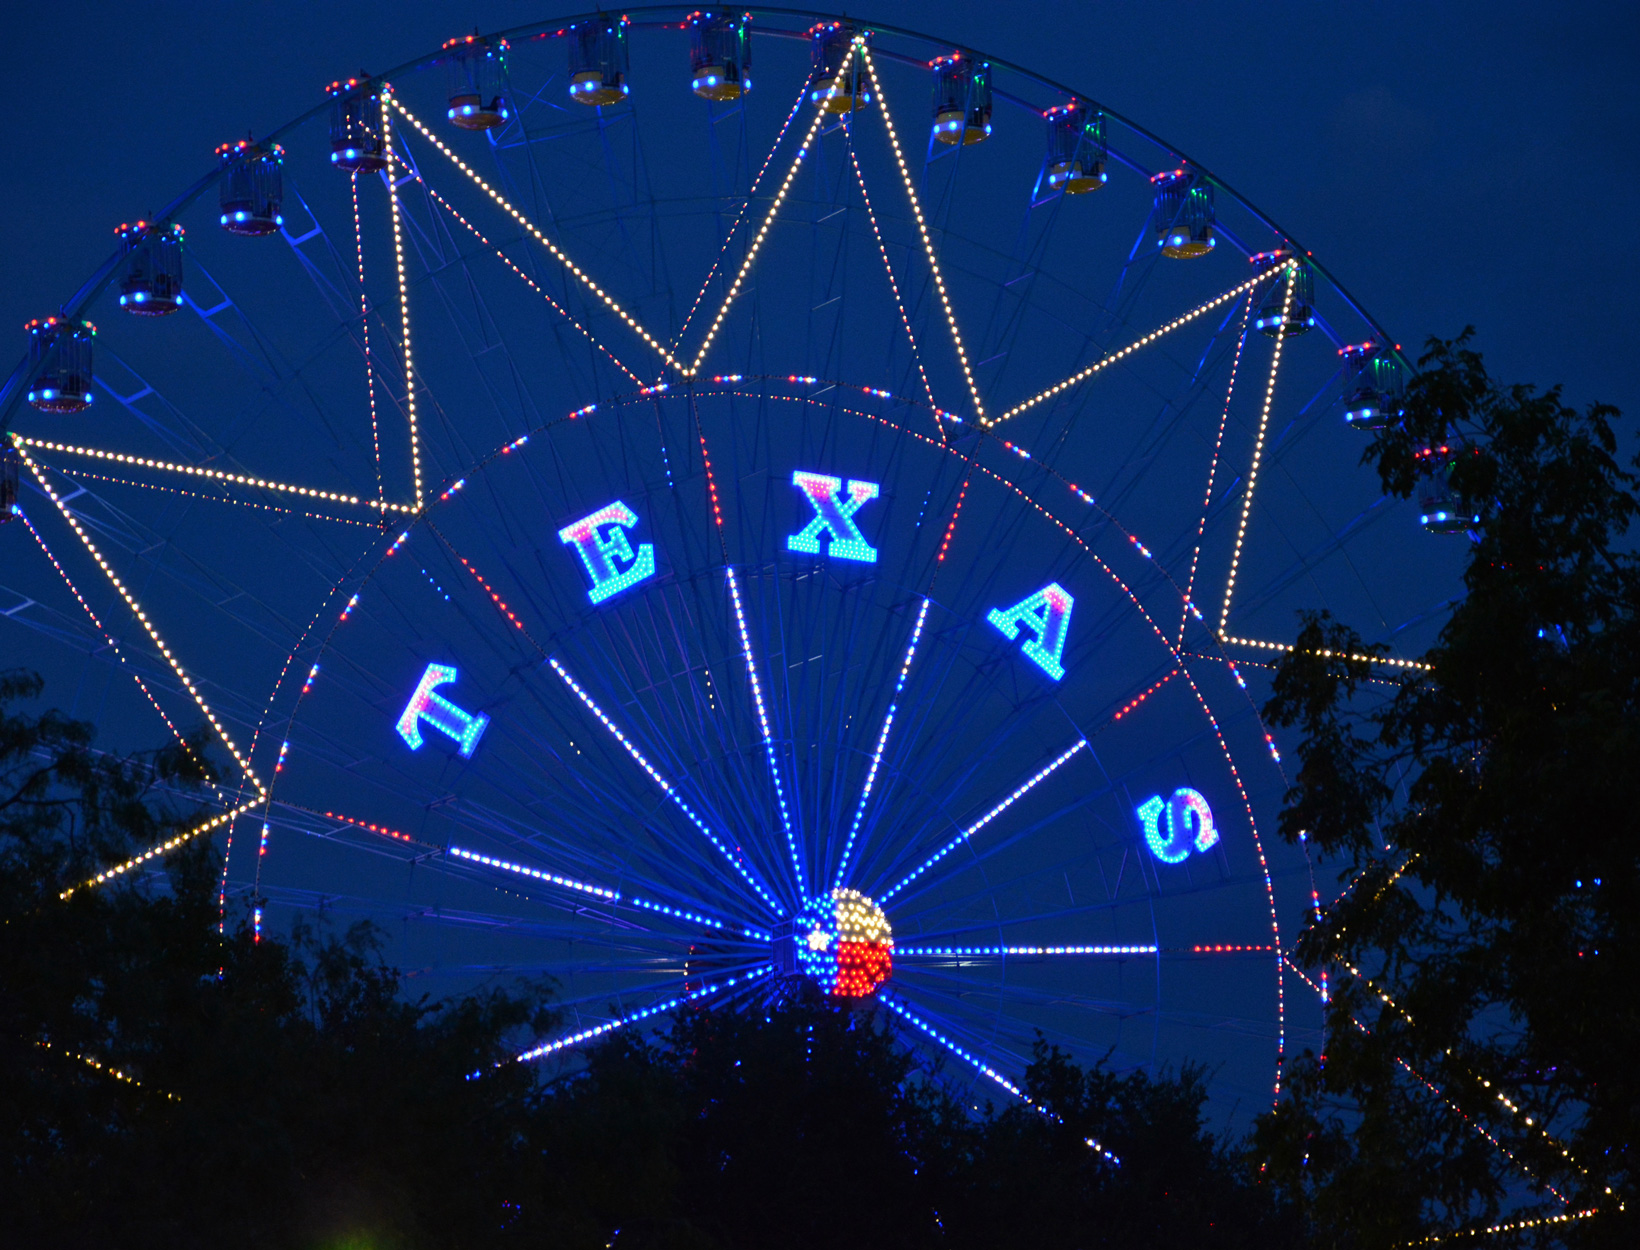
(841, 940)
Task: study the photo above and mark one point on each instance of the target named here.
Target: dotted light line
(529, 281)
(1369, 659)
(1213, 468)
(728, 238)
(165, 847)
(995, 951)
(364, 327)
(922, 230)
(1132, 704)
(502, 202)
(666, 786)
(586, 1035)
(119, 654)
(1258, 445)
(81, 474)
(1042, 775)
(104, 1068)
(215, 475)
(1511, 1227)
(985, 1069)
(768, 737)
(404, 290)
(768, 219)
(142, 617)
(888, 268)
(1104, 362)
(568, 883)
(882, 742)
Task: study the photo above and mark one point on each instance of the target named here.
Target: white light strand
(170, 844)
(1104, 362)
(729, 236)
(1042, 775)
(142, 617)
(505, 206)
(404, 291)
(1258, 445)
(586, 1035)
(530, 282)
(214, 475)
(768, 219)
(666, 786)
(1212, 472)
(922, 230)
(882, 741)
(364, 329)
(1353, 655)
(106, 1069)
(119, 653)
(768, 737)
(984, 1069)
(991, 952)
(225, 500)
(888, 268)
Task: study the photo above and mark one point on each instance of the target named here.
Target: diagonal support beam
(501, 201)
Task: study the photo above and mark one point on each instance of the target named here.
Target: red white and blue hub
(842, 940)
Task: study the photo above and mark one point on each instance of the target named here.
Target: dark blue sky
(1455, 163)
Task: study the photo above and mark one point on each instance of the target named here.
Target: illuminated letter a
(1046, 615)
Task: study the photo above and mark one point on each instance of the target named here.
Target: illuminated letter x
(600, 540)
(835, 516)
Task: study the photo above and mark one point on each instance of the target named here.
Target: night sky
(1448, 165)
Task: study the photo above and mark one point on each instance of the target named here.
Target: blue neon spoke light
(1189, 825)
(1047, 615)
(601, 542)
(834, 516)
(465, 727)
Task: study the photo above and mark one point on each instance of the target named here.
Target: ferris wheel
(683, 538)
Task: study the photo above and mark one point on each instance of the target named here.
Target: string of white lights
(1258, 445)
(114, 646)
(529, 281)
(225, 500)
(1287, 646)
(214, 475)
(1213, 471)
(107, 1069)
(693, 996)
(820, 115)
(506, 206)
(170, 844)
(142, 617)
(390, 174)
(740, 215)
(882, 742)
(1042, 774)
(1104, 362)
(922, 230)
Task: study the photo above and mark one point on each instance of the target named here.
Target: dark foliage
(1486, 945)
(286, 1093)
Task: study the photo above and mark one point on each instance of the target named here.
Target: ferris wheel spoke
(142, 618)
(882, 742)
(735, 861)
(583, 278)
(893, 285)
(711, 990)
(946, 953)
